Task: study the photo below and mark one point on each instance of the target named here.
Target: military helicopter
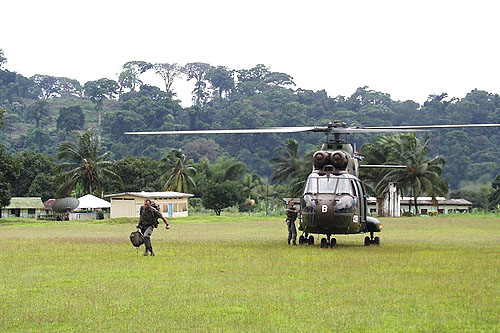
(334, 200)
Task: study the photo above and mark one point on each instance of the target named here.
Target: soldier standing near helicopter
(291, 216)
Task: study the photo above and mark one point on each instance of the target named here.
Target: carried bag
(136, 238)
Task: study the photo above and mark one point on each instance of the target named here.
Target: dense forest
(42, 111)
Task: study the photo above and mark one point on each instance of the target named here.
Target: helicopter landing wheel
(324, 243)
(333, 243)
(302, 240)
(376, 240)
(367, 241)
(310, 240)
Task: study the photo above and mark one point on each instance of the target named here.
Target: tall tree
(84, 163)
(32, 165)
(129, 77)
(38, 111)
(221, 80)
(70, 118)
(100, 90)
(3, 60)
(168, 72)
(197, 71)
(51, 86)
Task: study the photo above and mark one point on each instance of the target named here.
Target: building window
(31, 211)
(182, 207)
(373, 210)
(440, 211)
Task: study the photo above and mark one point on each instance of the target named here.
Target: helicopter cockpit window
(344, 187)
(311, 186)
(327, 185)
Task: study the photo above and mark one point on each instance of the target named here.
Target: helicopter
(333, 200)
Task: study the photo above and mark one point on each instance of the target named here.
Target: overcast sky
(409, 49)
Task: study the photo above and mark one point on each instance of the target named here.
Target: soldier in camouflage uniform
(291, 216)
(148, 221)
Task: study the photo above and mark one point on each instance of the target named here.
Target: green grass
(238, 274)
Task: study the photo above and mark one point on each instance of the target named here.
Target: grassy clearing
(237, 274)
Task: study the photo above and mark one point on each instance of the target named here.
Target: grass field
(238, 274)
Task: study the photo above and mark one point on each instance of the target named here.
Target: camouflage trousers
(292, 231)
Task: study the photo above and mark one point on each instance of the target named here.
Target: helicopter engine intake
(330, 161)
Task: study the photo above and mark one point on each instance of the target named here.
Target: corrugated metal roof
(29, 202)
(152, 194)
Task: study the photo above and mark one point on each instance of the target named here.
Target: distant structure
(425, 205)
(128, 204)
(91, 207)
(29, 207)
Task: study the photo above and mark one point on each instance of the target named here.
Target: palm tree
(178, 178)
(377, 153)
(84, 164)
(265, 190)
(227, 169)
(250, 183)
(290, 166)
(287, 162)
(421, 175)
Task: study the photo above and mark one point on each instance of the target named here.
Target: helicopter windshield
(328, 185)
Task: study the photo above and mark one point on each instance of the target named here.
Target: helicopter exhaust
(330, 162)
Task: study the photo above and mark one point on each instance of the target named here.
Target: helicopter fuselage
(334, 199)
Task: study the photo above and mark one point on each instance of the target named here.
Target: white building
(425, 205)
(128, 204)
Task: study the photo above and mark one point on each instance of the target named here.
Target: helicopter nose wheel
(372, 240)
(333, 243)
(326, 242)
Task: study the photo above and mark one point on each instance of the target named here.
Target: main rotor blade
(404, 128)
(348, 130)
(424, 127)
(381, 166)
(238, 131)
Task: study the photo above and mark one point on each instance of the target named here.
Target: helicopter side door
(362, 200)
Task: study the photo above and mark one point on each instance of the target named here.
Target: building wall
(23, 212)
(129, 206)
(425, 209)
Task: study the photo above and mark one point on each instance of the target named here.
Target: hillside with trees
(41, 112)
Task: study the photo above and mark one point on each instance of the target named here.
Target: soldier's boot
(147, 244)
(152, 253)
(294, 242)
(288, 242)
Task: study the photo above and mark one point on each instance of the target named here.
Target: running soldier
(291, 216)
(148, 221)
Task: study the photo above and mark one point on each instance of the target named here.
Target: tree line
(43, 111)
